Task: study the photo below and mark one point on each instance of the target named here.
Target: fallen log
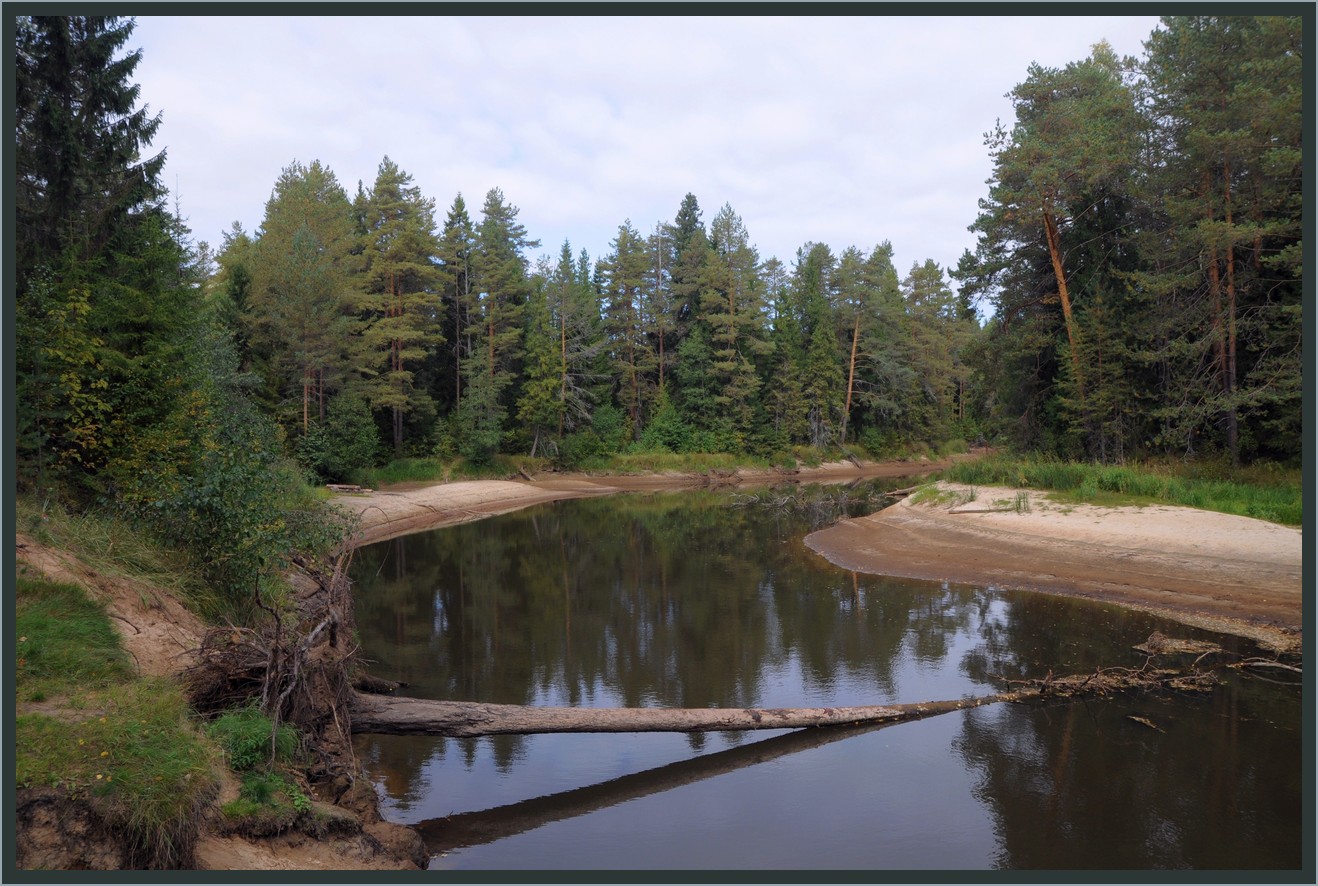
(487, 825)
(391, 715)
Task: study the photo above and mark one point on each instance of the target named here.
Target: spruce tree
(457, 245)
(101, 308)
(635, 361)
(497, 319)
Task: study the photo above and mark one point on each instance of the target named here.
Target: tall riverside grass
(1271, 494)
(112, 545)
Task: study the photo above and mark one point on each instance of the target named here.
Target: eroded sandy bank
(1232, 574)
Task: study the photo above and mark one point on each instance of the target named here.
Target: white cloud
(845, 130)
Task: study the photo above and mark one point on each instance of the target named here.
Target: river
(706, 598)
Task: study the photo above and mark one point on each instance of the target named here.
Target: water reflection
(706, 599)
(1084, 785)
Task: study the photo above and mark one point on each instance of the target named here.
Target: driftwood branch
(415, 716)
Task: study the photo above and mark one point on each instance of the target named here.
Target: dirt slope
(162, 637)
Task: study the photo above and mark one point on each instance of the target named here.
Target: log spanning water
(459, 719)
(487, 825)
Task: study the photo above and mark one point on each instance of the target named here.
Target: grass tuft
(250, 739)
(113, 546)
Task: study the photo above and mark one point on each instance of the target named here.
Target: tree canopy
(1135, 289)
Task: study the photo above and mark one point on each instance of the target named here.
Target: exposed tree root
(297, 665)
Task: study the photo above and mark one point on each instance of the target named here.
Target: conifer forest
(1135, 291)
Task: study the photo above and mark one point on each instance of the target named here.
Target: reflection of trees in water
(1082, 786)
(1210, 791)
(663, 600)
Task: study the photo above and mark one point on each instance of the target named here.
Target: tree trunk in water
(416, 716)
(476, 828)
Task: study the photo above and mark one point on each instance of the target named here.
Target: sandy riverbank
(1231, 574)
(1226, 573)
(414, 507)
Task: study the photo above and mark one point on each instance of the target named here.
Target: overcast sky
(846, 131)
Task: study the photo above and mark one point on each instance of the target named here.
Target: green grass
(63, 642)
(124, 745)
(504, 467)
(1265, 492)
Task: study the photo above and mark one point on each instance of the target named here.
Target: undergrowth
(270, 800)
(251, 740)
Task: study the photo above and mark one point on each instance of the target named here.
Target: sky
(840, 130)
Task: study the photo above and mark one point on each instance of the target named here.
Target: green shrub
(250, 739)
(344, 444)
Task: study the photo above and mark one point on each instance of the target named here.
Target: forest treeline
(1136, 290)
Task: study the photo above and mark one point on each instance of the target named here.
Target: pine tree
(399, 303)
(296, 309)
(1074, 145)
(497, 323)
(1225, 93)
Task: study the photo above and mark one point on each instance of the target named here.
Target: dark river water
(710, 599)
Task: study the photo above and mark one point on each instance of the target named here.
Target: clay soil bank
(1225, 573)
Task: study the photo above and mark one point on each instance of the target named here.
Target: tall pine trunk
(1229, 386)
(851, 378)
